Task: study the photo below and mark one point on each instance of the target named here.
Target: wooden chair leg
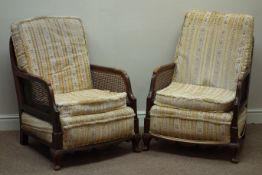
(135, 142)
(57, 156)
(23, 138)
(146, 140)
(235, 153)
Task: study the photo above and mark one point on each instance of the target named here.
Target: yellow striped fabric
(54, 48)
(89, 101)
(188, 96)
(85, 129)
(97, 128)
(214, 49)
(193, 126)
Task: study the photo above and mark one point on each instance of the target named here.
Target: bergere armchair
(202, 97)
(64, 102)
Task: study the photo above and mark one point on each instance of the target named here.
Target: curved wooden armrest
(241, 100)
(38, 96)
(31, 77)
(241, 97)
(161, 78)
(35, 95)
(116, 80)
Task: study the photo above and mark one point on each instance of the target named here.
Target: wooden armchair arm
(116, 80)
(241, 97)
(35, 95)
(239, 104)
(161, 78)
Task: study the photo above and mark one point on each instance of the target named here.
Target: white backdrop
(135, 35)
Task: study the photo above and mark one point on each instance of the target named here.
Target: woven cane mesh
(108, 81)
(39, 94)
(163, 79)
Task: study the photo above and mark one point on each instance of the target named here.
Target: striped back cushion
(54, 48)
(214, 49)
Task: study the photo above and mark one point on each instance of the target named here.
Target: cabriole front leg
(235, 153)
(146, 136)
(57, 150)
(135, 142)
(56, 156)
(136, 137)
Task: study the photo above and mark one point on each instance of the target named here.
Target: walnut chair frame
(36, 97)
(162, 77)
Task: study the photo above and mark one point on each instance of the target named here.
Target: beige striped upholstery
(213, 53)
(214, 49)
(193, 126)
(89, 101)
(188, 96)
(85, 129)
(54, 48)
(97, 128)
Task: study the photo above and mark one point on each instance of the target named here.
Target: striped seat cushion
(193, 126)
(89, 101)
(214, 49)
(194, 97)
(97, 128)
(85, 129)
(55, 49)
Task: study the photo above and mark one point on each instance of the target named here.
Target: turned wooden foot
(135, 142)
(235, 154)
(146, 140)
(57, 156)
(23, 138)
